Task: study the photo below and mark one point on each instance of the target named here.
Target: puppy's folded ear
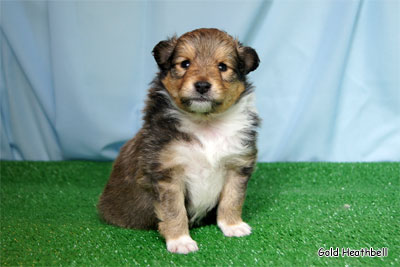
(249, 59)
(163, 51)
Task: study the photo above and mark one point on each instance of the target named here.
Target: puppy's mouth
(201, 104)
(200, 99)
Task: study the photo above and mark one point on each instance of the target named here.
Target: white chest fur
(218, 140)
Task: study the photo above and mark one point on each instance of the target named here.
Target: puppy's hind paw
(182, 245)
(237, 230)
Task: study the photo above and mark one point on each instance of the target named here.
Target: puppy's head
(205, 70)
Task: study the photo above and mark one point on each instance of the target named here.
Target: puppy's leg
(173, 225)
(229, 216)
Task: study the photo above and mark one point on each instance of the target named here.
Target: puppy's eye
(222, 66)
(185, 64)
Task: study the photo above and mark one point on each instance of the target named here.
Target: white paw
(240, 229)
(182, 245)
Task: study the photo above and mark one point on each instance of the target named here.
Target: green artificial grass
(49, 217)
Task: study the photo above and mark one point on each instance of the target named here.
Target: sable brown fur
(148, 186)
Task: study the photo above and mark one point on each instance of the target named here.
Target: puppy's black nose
(202, 87)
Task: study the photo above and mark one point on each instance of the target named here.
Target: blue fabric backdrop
(74, 74)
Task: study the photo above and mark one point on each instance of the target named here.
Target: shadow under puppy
(197, 147)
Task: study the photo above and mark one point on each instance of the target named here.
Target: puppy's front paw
(240, 229)
(182, 245)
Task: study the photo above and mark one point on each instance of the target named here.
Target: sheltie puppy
(197, 147)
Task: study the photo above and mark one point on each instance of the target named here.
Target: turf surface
(48, 217)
